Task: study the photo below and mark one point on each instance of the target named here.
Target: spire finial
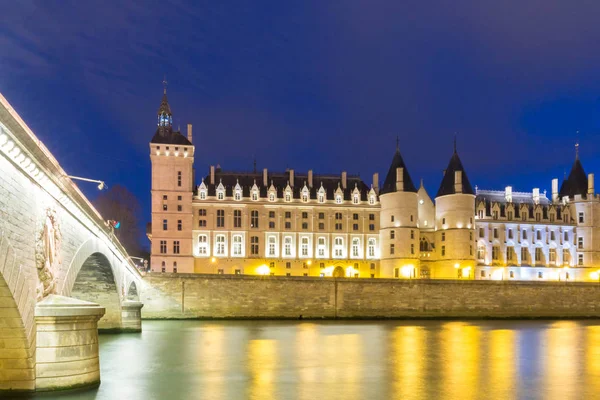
(397, 143)
(455, 142)
(577, 146)
(164, 82)
(254, 163)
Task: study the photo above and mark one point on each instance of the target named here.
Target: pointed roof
(447, 185)
(389, 185)
(165, 134)
(576, 183)
(164, 105)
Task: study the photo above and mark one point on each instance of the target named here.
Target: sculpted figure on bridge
(47, 254)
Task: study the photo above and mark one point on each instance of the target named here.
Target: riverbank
(193, 296)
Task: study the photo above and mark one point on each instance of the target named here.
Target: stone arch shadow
(96, 282)
(17, 321)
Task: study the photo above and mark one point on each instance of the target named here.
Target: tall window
(163, 247)
(254, 219)
(581, 219)
(495, 253)
(552, 256)
(237, 245)
(203, 245)
(580, 243)
(304, 246)
(179, 225)
(371, 247)
(580, 260)
(392, 234)
(178, 178)
(220, 245)
(392, 249)
(220, 218)
(321, 246)
(510, 253)
(272, 246)
(237, 218)
(566, 257)
(355, 247)
(538, 234)
(287, 246)
(176, 247)
(165, 225)
(254, 245)
(338, 247)
(538, 254)
(481, 252)
(524, 255)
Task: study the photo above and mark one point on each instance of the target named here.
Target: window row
(287, 246)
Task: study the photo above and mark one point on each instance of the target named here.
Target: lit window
(371, 247)
(220, 245)
(237, 245)
(355, 247)
(338, 247)
(203, 245)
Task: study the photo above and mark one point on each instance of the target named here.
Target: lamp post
(101, 184)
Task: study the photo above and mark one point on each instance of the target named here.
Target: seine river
(351, 360)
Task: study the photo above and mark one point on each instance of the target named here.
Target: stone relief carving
(47, 254)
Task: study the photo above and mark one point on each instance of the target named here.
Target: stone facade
(302, 224)
(221, 296)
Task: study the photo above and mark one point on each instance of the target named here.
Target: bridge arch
(17, 324)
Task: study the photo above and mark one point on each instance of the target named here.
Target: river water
(351, 360)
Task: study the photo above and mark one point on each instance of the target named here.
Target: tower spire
(577, 146)
(164, 82)
(454, 142)
(397, 143)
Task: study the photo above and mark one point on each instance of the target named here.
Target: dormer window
(372, 200)
(271, 196)
(254, 195)
(203, 195)
(202, 191)
(288, 196)
(237, 196)
(304, 194)
(338, 199)
(220, 195)
(355, 199)
(321, 194)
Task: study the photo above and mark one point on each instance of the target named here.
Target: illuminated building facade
(306, 224)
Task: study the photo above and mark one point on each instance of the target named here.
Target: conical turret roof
(576, 183)
(389, 185)
(447, 185)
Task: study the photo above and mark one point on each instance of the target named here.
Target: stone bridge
(54, 248)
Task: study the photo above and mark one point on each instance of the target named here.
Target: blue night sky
(326, 85)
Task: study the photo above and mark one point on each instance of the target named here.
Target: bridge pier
(67, 343)
(131, 316)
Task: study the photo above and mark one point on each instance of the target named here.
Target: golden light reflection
(212, 348)
(408, 348)
(461, 342)
(502, 364)
(342, 360)
(592, 360)
(262, 362)
(307, 359)
(560, 361)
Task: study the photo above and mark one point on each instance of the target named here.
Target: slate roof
(389, 185)
(447, 185)
(576, 183)
(280, 181)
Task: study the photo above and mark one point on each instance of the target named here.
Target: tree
(119, 204)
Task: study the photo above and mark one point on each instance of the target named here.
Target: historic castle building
(307, 224)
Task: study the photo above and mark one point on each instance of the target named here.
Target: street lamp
(144, 262)
(101, 184)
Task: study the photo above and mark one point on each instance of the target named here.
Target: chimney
(536, 195)
(265, 178)
(554, 190)
(508, 194)
(344, 179)
(591, 184)
(291, 178)
(212, 174)
(376, 182)
(400, 179)
(190, 132)
(310, 178)
(458, 188)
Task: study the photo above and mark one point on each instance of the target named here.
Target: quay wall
(178, 296)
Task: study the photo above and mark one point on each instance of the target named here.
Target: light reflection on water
(351, 360)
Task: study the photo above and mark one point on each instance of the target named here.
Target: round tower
(454, 224)
(398, 229)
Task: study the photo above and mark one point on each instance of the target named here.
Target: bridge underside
(95, 282)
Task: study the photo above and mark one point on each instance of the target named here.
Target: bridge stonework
(47, 223)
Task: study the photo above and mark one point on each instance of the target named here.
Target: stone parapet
(67, 343)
